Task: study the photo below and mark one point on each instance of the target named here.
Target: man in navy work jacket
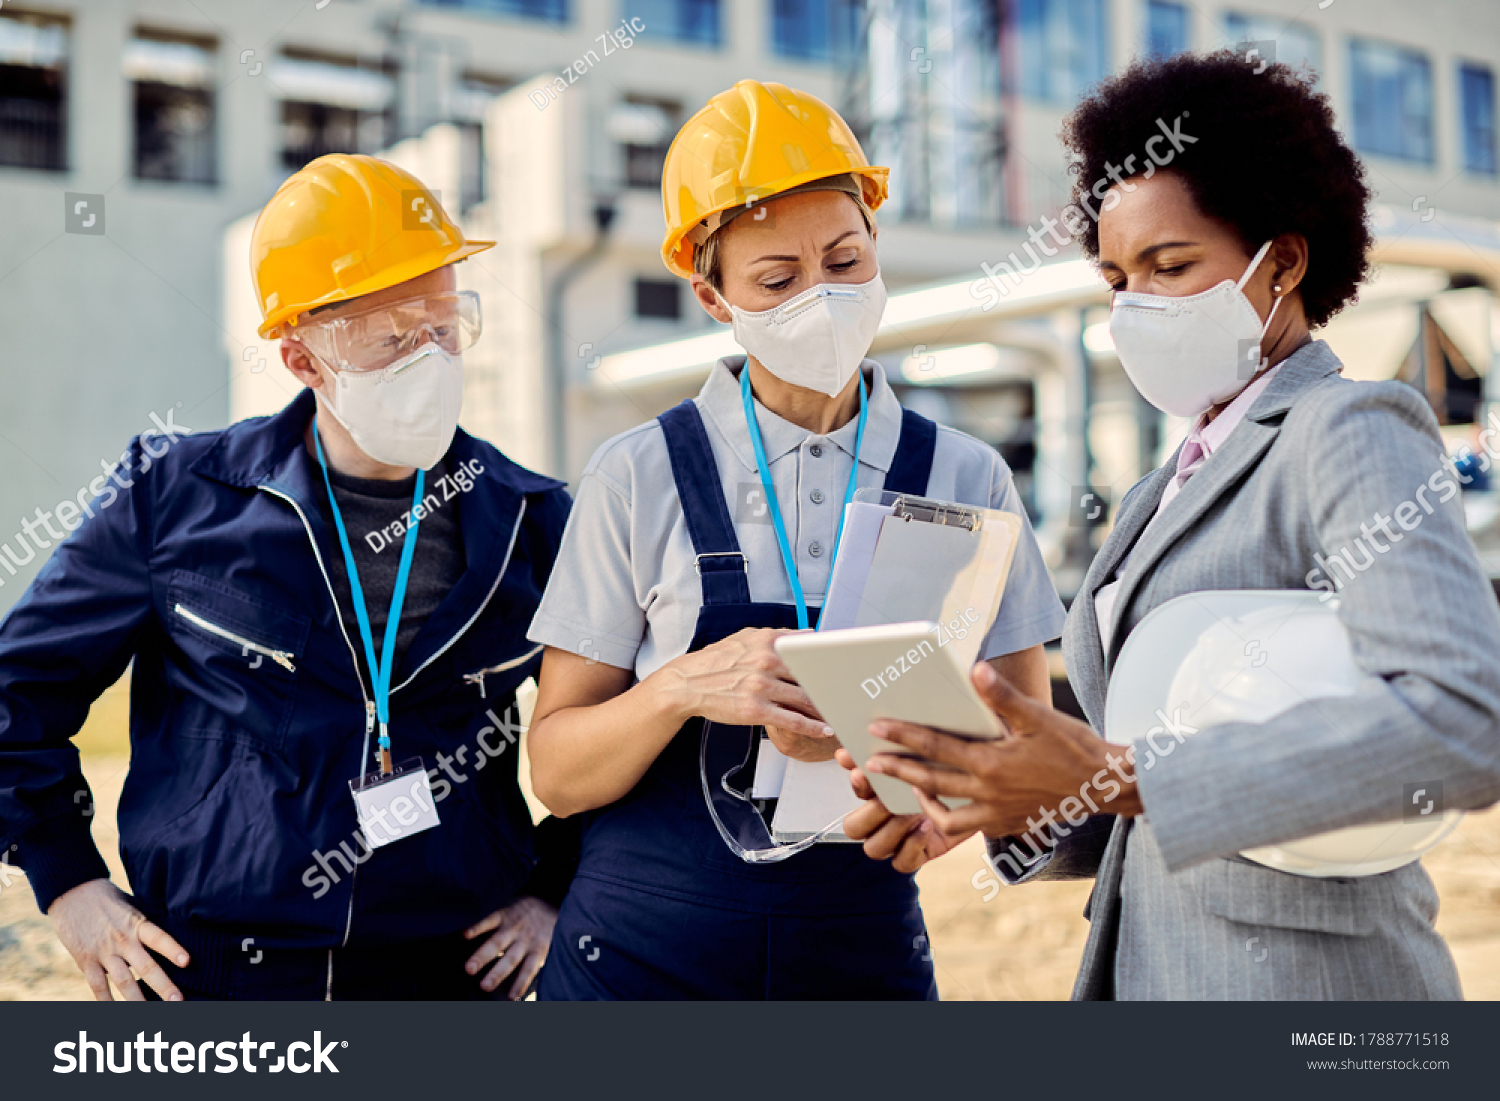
(338, 593)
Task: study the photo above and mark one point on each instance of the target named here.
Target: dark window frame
(371, 130)
(1181, 12)
(643, 163)
(683, 19)
(554, 12)
(1039, 79)
(1487, 160)
(1369, 133)
(34, 130)
(153, 156)
(832, 43)
(662, 289)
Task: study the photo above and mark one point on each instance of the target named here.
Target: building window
(644, 127)
(1476, 98)
(658, 299)
(1392, 100)
(1293, 43)
(552, 11)
(691, 21)
(173, 89)
(33, 91)
(1166, 28)
(331, 105)
(816, 30)
(471, 103)
(1063, 47)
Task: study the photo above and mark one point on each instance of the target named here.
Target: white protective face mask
(1186, 354)
(817, 338)
(404, 414)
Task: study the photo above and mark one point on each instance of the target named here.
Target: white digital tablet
(905, 671)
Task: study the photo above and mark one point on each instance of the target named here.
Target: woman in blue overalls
(699, 538)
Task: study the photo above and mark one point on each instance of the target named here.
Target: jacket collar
(1309, 364)
(271, 453)
(264, 450)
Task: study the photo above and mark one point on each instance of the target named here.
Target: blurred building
(139, 137)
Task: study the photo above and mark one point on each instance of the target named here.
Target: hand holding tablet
(904, 671)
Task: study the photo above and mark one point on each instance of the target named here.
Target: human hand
(742, 681)
(108, 939)
(1046, 758)
(520, 935)
(907, 840)
(803, 747)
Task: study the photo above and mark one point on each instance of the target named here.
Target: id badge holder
(391, 806)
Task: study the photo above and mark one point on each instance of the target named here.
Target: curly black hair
(1267, 160)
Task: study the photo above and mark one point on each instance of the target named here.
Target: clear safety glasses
(726, 768)
(373, 339)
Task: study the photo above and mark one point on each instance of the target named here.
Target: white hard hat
(1246, 656)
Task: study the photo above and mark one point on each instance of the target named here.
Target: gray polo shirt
(625, 589)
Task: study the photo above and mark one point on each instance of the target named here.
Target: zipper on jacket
(282, 658)
(479, 611)
(478, 678)
(364, 695)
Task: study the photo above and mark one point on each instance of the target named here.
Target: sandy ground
(1023, 944)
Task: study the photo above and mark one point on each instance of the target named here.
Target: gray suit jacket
(1307, 474)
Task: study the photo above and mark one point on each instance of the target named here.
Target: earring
(1276, 287)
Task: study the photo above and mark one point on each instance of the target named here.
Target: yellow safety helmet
(751, 143)
(344, 226)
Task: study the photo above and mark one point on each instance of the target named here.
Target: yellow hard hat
(750, 143)
(344, 226)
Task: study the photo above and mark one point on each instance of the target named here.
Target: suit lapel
(1244, 447)
(1095, 980)
(1128, 527)
(1085, 646)
(1246, 444)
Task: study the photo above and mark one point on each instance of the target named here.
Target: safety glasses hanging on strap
(726, 766)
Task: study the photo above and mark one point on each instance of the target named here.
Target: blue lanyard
(380, 672)
(765, 481)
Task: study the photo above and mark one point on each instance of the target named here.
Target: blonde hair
(706, 255)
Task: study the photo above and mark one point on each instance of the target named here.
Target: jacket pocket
(235, 661)
(247, 646)
(170, 842)
(1256, 895)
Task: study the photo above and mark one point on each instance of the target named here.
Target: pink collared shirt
(1202, 441)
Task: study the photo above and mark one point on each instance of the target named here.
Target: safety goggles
(726, 769)
(373, 339)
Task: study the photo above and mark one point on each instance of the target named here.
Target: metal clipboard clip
(944, 513)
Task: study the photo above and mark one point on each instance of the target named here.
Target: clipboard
(939, 561)
(902, 559)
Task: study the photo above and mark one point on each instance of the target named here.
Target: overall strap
(721, 564)
(912, 465)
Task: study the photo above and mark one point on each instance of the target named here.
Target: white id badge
(395, 806)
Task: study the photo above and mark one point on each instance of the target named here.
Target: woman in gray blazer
(1223, 257)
